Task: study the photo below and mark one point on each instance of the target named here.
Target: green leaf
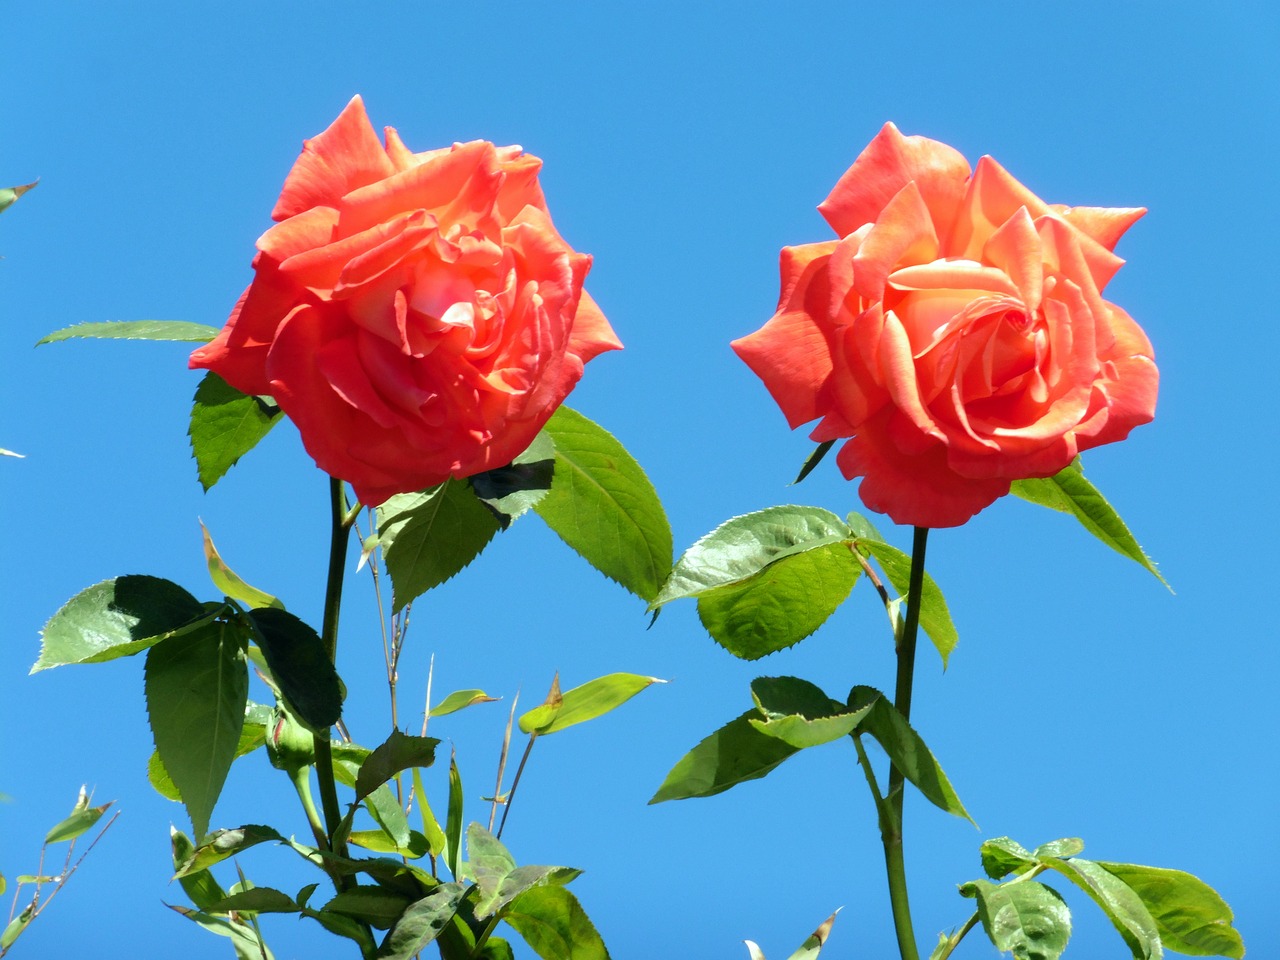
(800, 714)
(1066, 847)
(906, 749)
(382, 841)
(1189, 914)
(200, 885)
(221, 844)
(811, 462)
(935, 618)
(593, 699)
(81, 820)
(10, 194)
(196, 688)
(226, 579)
(177, 330)
(400, 751)
(1025, 918)
(782, 604)
(429, 537)
(256, 900)
(814, 943)
(430, 825)
(300, 666)
(735, 753)
(498, 878)
(742, 547)
(453, 821)
(390, 816)
(1125, 909)
(554, 924)
(225, 425)
(422, 921)
(244, 938)
(511, 491)
(459, 699)
(1003, 856)
(376, 906)
(15, 927)
(603, 506)
(252, 736)
(1069, 492)
(117, 618)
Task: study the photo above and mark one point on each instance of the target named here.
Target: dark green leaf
(1025, 918)
(459, 699)
(935, 618)
(116, 618)
(554, 924)
(453, 820)
(603, 506)
(1190, 916)
(300, 666)
(1069, 492)
(1003, 856)
(178, 330)
(782, 604)
(510, 491)
(498, 878)
(799, 713)
(422, 921)
(221, 844)
(906, 750)
(400, 751)
(256, 900)
(376, 906)
(196, 688)
(586, 702)
(740, 548)
(200, 885)
(1125, 909)
(225, 425)
(735, 753)
(815, 458)
(428, 537)
(390, 816)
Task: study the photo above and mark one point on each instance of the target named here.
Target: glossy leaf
(511, 491)
(799, 713)
(398, 752)
(199, 885)
(735, 753)
(429, 537)
(906, 750)
(1066, 847)
(422, 921)
(498, 879)
(935, 618)
(225, 425)
(554, 925)
(196, 688)
(181, 331)
(1026, 918)
(1003, 856)
(742, 547)
(226, 579)
(300, 667)
(603, 506)
(1069, 492)
(221, 844)
(1189, 914)
(586, 702)
(460, 699)
(117, 618)
(1125, 909)
(782, 604)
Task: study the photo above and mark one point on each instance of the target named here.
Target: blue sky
(684, 145)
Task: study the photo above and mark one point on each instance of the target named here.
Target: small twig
(511, 797)
(502, 763)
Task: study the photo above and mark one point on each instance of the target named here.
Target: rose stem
(342, 521)
(891, 832)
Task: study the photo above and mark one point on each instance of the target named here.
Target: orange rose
(955, 333)
(415, 314)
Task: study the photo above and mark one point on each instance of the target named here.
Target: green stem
(895, 865)
(339, 534)
(301, 778)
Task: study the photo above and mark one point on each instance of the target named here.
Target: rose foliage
(417, 315)
(955, 335)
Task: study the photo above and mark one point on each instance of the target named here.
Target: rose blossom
(415, 314)
(955, 333)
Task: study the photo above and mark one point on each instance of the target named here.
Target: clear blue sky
(684, 145)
